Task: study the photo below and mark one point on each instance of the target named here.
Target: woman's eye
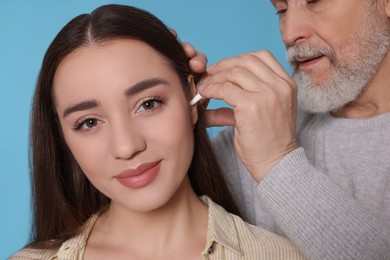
(150, 104)
(90, 123)
(87, 123)
(147, 105)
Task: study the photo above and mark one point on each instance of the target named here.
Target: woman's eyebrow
(136, 88)
(145, 84)
(84, 105)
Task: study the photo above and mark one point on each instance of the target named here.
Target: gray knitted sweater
(331, 197)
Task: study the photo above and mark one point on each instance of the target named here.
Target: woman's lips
(140, 176)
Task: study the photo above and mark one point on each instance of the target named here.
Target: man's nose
(295, 25)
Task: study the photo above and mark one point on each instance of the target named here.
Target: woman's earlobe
(194, 116)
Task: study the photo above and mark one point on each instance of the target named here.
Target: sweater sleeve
(320, 218)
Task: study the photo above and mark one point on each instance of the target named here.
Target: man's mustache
(295, 54)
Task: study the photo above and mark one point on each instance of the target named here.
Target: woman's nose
(126, 141)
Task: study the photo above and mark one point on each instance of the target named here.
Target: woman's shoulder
(34, 253)
(71, 248)
(252, 242)
(267, 240)
(256, 240)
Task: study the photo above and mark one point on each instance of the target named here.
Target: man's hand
(263, 97)
(198, 60)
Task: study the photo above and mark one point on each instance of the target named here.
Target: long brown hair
(63, 198)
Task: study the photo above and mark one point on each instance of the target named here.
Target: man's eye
(281, 11)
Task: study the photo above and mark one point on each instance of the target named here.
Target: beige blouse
(228, 237)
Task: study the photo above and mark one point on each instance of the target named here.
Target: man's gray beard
(362, 56)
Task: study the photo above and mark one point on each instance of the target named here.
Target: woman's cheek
(168, 127)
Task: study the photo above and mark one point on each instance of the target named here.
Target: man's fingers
(262, 64)
(227, 91)
(188, 49)
(198, 60)
(173, 31)
(220, 117)
(239, 76)
(273, 63)
(198, 63)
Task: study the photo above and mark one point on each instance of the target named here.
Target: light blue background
(219, 28)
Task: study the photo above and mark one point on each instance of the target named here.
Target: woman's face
(127, 121)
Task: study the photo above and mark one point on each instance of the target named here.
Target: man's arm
(324, 221)
(319, 217)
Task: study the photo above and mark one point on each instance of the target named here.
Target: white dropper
(196, 99)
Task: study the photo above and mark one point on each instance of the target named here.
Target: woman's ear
(194, 108)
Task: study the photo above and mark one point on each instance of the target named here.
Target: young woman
(121, 164)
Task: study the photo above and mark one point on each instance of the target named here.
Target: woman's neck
(179, 226)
